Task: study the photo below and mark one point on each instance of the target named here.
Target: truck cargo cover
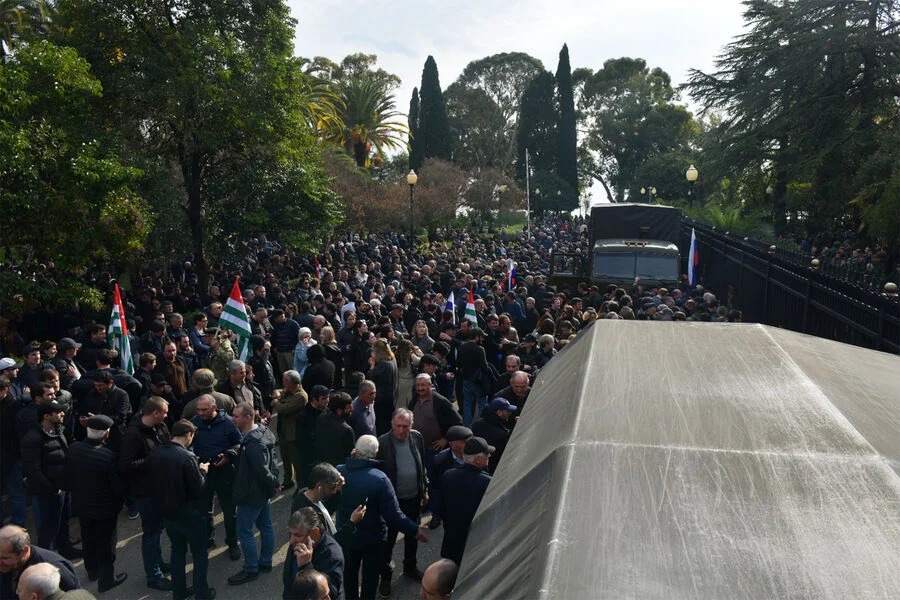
(627, 221)
(697, 460)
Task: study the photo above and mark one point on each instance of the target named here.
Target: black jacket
(327, 558)
(305, 434)
(388, 457)
(115, 404)
(443, 462)
(446, 415)
(495, 432)
(471, 361)
(462, 490)
(334, 439)
(138, 442)
(44, 460)
(68, 580)
(226, 388)
(177, 483)
(92, 474)
(257, 476)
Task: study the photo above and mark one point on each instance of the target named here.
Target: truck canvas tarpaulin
(696, 460)
(635, 221)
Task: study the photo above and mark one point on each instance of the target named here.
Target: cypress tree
(567, 166)
(537, 126)
(433, 128)
(415, 147)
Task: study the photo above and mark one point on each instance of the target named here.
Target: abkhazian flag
(449, 306)
(318, 269)
(693, 259)
(235, 318)
(117, 334)
(470, 309)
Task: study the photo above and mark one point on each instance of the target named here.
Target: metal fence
(778, 290)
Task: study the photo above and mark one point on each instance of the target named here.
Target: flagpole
(527, 194)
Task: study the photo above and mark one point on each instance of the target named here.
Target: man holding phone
(311, 547)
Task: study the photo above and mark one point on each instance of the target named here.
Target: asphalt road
(268, 585)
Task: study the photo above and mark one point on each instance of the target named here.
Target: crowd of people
(388, 403)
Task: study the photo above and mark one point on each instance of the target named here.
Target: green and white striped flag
(235, 318)
(117, 334)
(470, 309)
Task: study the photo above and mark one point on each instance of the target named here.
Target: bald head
(439, 580)
(38, 581)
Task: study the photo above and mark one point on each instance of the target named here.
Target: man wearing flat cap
(463, 488)
(98, 490)
(448, 458)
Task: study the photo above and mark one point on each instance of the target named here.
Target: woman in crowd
(300, 359)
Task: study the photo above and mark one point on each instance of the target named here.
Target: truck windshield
(614, 266)
(655, 266)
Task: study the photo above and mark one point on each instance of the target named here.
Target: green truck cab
(628, 242)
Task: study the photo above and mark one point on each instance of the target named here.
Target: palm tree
(369, 120)
(18, 17)
(320, 105)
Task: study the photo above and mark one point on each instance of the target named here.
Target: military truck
(627, 242)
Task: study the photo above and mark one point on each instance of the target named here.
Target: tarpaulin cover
(625, 221)
(697, 460)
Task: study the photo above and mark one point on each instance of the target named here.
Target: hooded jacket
(257, 475)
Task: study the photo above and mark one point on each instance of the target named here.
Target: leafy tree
(434, 132)
(483, 109)
(550, 193)
(567, 166)
(804, 94)
(629, 115)
(483, 196)
(68, 199)
(438, 193)
(213, 93)
(538, 118)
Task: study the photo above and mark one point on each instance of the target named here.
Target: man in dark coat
(44, 451)
(105, 398)
(98, 491)
(474, 374)
(517, 393)
(494, 426)
(463, 488)
(334, 437)
(320, 370)
(17, 554)
(178, 482)
(446, 459)
(312, 547)
(402, 452)
(305, 437)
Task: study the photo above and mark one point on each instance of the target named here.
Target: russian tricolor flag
(693, 259)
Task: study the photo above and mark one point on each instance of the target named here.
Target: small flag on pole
(693, 259)
(235, 318)
(318, 269)
(117, 334)
(470, 309)
(511, 270)
(449, 306)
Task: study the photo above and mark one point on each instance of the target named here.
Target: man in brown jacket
(287, 403)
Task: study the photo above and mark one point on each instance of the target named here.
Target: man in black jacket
(311, 547)
(17, 554)
(146, 432)
(334, 438)
(44, 450)
(97, 494)
(446, 459)
(178, 480)
(494, 426)
(463, 488)
(474, 374)
(402, 452)
(104, 399)
(305, 429)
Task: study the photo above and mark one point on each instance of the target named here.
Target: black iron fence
(777, 289)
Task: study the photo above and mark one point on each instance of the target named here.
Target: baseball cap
(8, 363)
(502, 404)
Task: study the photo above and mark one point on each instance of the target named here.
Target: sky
(676, 35)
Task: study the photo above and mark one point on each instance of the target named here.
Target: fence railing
(774, 288)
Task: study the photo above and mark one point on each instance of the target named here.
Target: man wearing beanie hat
(203, 382)
(97, 489)
(463, 488)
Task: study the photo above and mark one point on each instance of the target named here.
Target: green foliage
(629, 114)
(20, 20)
(415, 154)
(434, 132)
(567, 165)
(550, 193)
(483, 109)
(538, 117)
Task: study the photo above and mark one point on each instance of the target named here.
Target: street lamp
(691, 175)
(650, 193)
(500, 189)
(411, 179)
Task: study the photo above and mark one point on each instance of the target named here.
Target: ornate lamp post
(650, 193)
(691, 174)
(411, 179)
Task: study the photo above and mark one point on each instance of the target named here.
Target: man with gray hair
(17, 554)
(402, 452)
(238, 388)
(362, 416)
(311, 547)
(41, 582)
(366, 483)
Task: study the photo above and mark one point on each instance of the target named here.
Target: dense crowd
(386, 400)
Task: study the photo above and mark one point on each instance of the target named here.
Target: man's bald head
(439, 580)
(38, 582)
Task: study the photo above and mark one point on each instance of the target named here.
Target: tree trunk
(191, 172)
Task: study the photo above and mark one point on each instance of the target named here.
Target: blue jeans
(183, 534)
(261, 516)
(15, 492)
(472, 397)
(151, 527)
